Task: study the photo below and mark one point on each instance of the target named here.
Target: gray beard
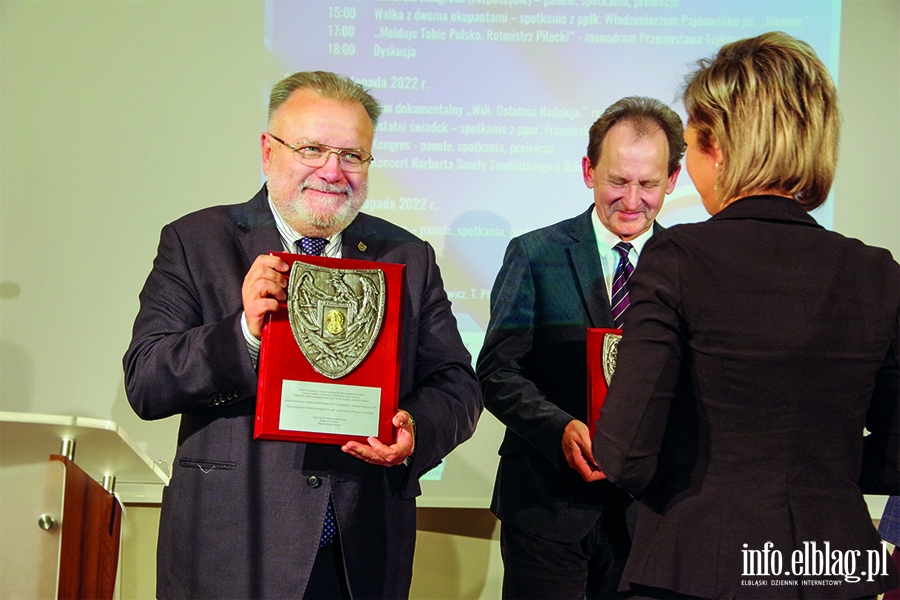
(297, 212)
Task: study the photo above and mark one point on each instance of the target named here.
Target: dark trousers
(328, 580)
(534, 567)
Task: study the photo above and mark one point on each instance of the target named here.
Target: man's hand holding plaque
(263, 289)
(387, 456)
(576, 446)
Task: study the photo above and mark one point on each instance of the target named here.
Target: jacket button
(313, 481)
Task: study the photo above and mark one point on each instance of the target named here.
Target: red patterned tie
(619, 300)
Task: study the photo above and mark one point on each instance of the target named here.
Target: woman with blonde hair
(757, 348)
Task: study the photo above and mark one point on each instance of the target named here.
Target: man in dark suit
(563, 532)
(245, 518)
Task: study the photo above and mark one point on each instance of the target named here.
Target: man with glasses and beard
(245, 518)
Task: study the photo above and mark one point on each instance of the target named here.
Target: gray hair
(327, 84)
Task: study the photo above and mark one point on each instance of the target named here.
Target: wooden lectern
(60, 524)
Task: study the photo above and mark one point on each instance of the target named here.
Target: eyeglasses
(352, 160)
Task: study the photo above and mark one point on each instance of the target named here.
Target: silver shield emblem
(335, 315)
(608, 357)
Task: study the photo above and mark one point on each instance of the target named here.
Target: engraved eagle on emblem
(335, 315)
(609, 355)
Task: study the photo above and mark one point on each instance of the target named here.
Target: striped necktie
(619, 300)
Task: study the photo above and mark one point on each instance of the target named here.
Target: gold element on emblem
(361, 246)
(334, 322)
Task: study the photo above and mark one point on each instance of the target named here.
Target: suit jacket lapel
(359, 240)
(585, 260)
(255, 220)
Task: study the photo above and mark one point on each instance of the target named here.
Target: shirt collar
(289, 237)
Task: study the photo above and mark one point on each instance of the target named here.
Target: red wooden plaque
(295, 400)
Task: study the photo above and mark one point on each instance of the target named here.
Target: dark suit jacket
(533, 372)
(241, 518)
(757, 346)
